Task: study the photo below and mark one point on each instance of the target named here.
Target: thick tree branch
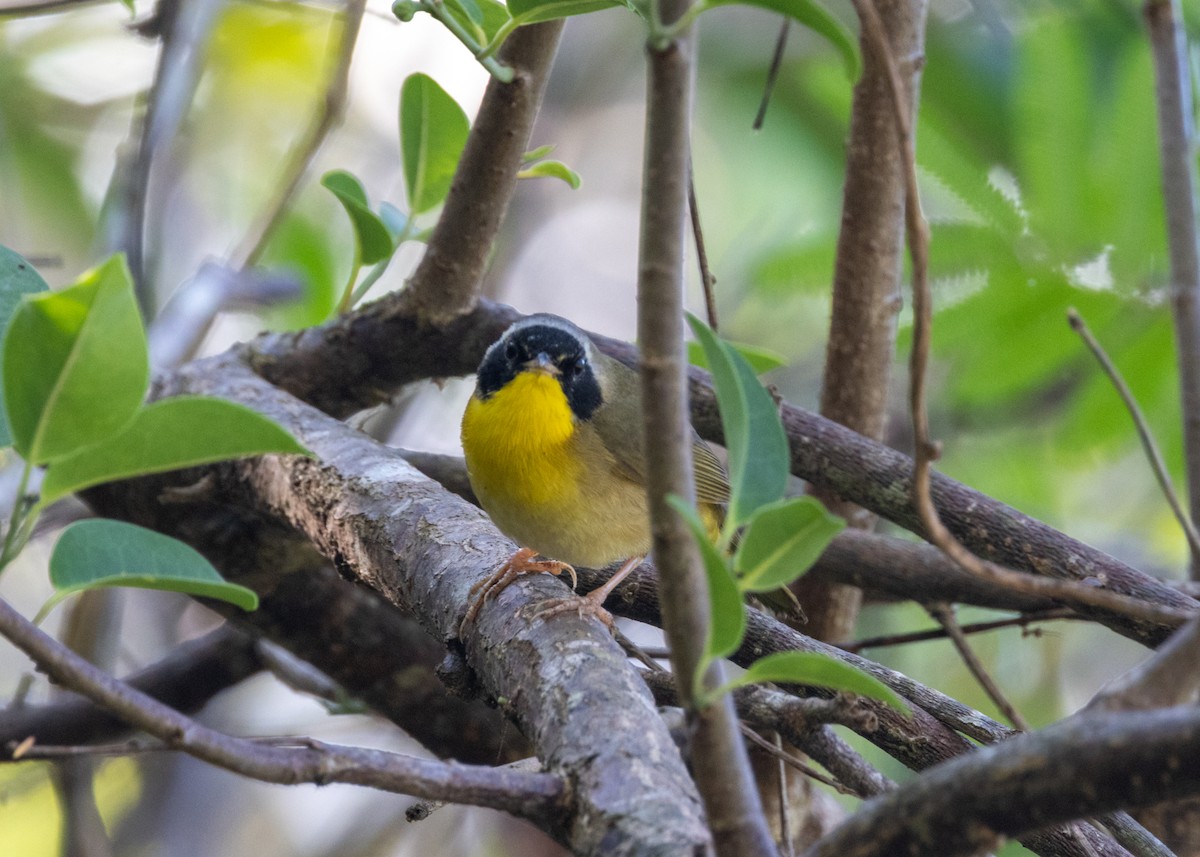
(446, 283)
(1082, 766)
(352, 363)
(387, 526)
(866, 283)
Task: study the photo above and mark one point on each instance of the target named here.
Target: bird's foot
(581, 605)
(520, 563)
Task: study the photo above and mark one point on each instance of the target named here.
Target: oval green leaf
(181, 432)
(96, 553)
(727, 614)
(754, 436)
(782, 542)
(374, 240)
(814, 669)
(75, 364)
(816, 18)
(552, 169)
(433, 131)
(17, 279)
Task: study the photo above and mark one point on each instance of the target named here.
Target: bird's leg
(592, 603)
(522, 562)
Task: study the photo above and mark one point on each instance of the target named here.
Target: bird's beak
(542, 363)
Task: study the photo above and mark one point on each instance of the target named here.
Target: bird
(554, 449)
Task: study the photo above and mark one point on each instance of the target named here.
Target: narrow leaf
(537, 154)
(782, 542)
(75, 364)
(816, 18)
(17, 279)
(811, 668)
(433, 131)
(375, 242)
(758, 453)
(552, 169)
(727, 620)
(760, 359)
(96, 553)
(181, 432)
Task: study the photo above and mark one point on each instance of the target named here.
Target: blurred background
(1039, 174)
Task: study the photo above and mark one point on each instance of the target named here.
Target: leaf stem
(494, 67)
(372, 277)
(17, 521)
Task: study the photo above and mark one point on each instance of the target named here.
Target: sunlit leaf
(75, 364)
(98, 553)
(552, 169)
(433, 131)
(374, 239)
(782, 541)
(817, 670)
(181, 432)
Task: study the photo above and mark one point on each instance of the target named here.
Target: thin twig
(707, 280)
(944, 614)
(333, 106)
(1022, 621)
(530, 795)
(1143, 429)
(1177, 152)
(785, 820)
(791, 759)
(772, 73)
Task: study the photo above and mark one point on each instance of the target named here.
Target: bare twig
(794, 761)
(529, 795)
(772, 73)
(1021, 621)
(707, 280)
(296, 164)
(1176, 133)
(1143, 430)
(722, 768)
(1171, 676)
(944, 614)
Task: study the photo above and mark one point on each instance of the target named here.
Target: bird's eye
(510, 350)
(576, 368)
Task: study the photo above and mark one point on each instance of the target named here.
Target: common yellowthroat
(554, 451)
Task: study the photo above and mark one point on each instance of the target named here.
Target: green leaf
(17, 279)
(471, 10)
(75, 364)
(374, 240)
(181, 432)
(483, 21)
(758, 451)
(811, 668)
(727, 619)
(812, 15)
(534, 11)
(433, 131)
(394, 219)
(537, 154)
(760, 359)
(552, 169)
(97, 553)
(782, 542)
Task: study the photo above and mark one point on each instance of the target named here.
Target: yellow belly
(546, 480)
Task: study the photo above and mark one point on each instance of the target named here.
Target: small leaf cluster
(779, 538)
(75, 374)
(433, 133)
(483, 25)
